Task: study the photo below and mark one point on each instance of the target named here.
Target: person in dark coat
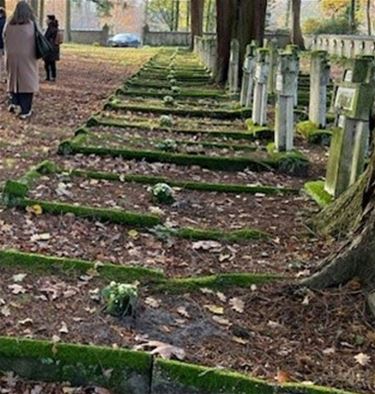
(52, 35)
(3, 18)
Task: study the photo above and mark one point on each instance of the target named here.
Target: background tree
(241, 19)
(196, 11)
(332, 8)
(296, 31)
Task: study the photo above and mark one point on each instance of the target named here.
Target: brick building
(125, 16)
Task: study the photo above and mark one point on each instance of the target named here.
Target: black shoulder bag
(42, 45)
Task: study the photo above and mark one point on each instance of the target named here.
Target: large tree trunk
(68, 27)
(225, 17)
(356, 258)
(250, 25)
(240, 19)
(177, 15)
(368, 17)
(197, 7)
(41, 12)
(352, 21)
(296, 34)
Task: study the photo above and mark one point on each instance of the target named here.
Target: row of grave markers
(268, 71)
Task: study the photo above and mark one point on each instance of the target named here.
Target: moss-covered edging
(286, 162)
(190, 185)
(113, 122)
(155, 280)
(316, 191)
(189, 112)
(78, 364)
(172, 377)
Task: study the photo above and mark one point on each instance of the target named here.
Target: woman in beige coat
(21, 62)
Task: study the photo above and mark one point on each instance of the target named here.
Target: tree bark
(296, 36)
(68, 27)
(197, 7)
(225, 17)
(368, 17)
(241, 19)
(177, 15)
(356, 258)
(41, 12)
(352, 21)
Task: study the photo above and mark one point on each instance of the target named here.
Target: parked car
(125, 40)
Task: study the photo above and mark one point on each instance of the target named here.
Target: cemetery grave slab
(173, 172)
(68, 236)
(194, 208)
(185, 142)
(201, 322)
(293, 162)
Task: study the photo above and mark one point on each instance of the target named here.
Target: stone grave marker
(285, 88)
(248, 76)
(260, 96)
(350, 140)
(319, 79)
(233, 74)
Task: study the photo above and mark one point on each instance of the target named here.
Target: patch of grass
(316, 191)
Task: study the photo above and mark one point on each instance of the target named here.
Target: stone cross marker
(248, 76)
(272, 46)
(234, 61)
(293, 49)
(350, 140)
(319, 79)
(285, 88)
(262, 68)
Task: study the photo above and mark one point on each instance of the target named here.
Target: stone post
(319, 79)
(293, 49)
(248, 76)
(234, 66)
(284, 114)
(350, 140)
(262, 68)
(272, 46)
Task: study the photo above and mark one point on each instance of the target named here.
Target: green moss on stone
(104, 214)
(220, 235)
(316, 191)
(56, 265)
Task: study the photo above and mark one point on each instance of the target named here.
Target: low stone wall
(168, 38)
(90, 37)
(342, 45)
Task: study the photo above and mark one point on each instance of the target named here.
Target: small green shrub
(176, 89)
(294, 164)
(168, 145)
(166, 121)
(168, 100)
(120, 299)
(163, 193)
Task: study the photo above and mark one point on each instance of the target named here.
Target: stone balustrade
(342, 45)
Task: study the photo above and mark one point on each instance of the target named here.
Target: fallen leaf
(362, 359)
(206, 245)
(162, 349)
(25, 322)
(221, 296)
(19, 277)
(152, 302)
(237, 304)
(239, 340)
(5, 311)
(64, 328)
(282, 377)
(183, 312)
(40, 237)
(17, 289)
(329, 350)
(134, 234)
(215, 309)
(35, 209)
(221, 320)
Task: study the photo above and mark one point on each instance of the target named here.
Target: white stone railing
(342, 45)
